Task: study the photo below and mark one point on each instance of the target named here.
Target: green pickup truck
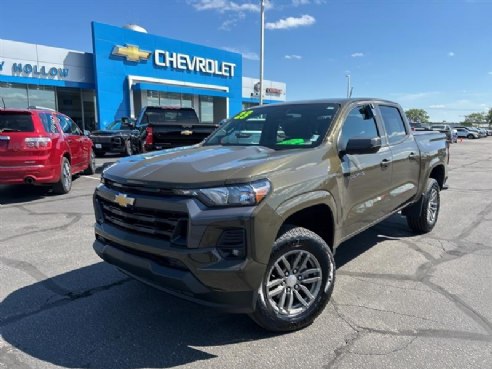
(248, 220)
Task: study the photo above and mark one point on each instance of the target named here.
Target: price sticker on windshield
(244, 114)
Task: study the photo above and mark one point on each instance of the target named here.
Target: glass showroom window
(170, 99)
(186, 101)
(14, 95)
(41, 96)
(152, 98)
(206, 109)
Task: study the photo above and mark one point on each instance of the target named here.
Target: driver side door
(366, 178)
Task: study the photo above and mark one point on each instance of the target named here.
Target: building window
(206, 109)
(13, 95)
(41, 96)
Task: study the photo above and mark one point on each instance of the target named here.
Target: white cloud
(411, 97)
(250, 55)
(357, 55)
(490, 73)
(292, 22)
(223, 6)
(293, 56)
(451, 53)
(307, 2)
(438, 106)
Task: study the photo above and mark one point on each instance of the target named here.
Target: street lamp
(262, 46)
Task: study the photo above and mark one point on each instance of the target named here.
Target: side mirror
(360, 145)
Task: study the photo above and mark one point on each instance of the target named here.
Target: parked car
(418, 126)
(483, 132)
(248, 220)
(477, 130)
(120, 136)
(170, 126)
(444, 128)
(489, 131)
(40, 146)
(465, 132)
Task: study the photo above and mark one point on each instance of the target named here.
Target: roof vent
(135, 27)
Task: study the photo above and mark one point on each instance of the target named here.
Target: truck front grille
(167, 225)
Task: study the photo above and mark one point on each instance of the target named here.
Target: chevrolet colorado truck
(169, 126)
(248, 220)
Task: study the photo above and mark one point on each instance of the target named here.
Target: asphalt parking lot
(400, 300)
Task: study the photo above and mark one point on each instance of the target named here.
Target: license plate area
(98, 146)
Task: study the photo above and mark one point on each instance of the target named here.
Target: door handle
(412, 156)
(385, 163)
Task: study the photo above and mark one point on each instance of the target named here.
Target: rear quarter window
(16, 122)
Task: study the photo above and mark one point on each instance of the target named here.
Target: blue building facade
(128, 70)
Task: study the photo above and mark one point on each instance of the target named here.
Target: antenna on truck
(3, 102)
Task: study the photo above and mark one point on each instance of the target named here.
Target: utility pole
(349, 88)
(262, 46)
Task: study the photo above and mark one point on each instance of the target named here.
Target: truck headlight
(236, 195)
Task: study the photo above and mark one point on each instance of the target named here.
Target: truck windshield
(285, 126)
(169, 115)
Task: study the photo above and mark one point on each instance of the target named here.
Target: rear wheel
(64, 185)
(298, 282)
(426, 220)
(469, 136)
(128, 148)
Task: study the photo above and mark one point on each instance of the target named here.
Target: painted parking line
(96, 178)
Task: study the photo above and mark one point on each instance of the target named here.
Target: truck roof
(341, 101)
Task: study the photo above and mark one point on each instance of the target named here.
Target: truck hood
(187, 167)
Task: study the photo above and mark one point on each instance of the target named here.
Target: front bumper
(109, 144)
(194, 269)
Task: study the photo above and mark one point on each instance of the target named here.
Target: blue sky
(434, 55)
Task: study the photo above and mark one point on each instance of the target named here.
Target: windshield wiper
(9, 130)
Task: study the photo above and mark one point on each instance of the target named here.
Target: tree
(475, 118)
(417, 115)
(489, 117)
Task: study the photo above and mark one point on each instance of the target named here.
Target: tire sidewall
(128, 148)
(318, 248)
(431, 184)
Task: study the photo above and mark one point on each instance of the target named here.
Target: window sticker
(243, 114)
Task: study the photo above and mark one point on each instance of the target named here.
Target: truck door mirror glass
(363, 145)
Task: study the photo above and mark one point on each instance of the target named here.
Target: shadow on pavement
(23, 193)
(121, 325)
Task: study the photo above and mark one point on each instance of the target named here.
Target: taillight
(37, 143)
(149, 140)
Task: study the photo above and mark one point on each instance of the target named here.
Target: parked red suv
(40, 146)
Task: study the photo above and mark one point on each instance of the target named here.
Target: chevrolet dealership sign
(180, 61)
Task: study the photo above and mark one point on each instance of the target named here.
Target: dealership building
(128, 69)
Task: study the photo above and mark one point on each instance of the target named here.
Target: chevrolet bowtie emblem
(131, 52)
(187, 132)
(123, 200)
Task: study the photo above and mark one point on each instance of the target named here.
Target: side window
(358, 124)
(49, 122)
(65, 124)
(393, 123)
(75, 128)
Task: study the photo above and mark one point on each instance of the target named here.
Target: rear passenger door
(74, 139)
(405, 153)
(366, 178)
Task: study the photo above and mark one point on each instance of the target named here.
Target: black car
(121, 136)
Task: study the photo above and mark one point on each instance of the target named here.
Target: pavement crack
(390, 311)
(64, 300)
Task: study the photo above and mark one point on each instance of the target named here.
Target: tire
(426, 220)
(470, 136)
(99, 153)
(64, 185)
(91, 168)
(299, 302)
(128, 148)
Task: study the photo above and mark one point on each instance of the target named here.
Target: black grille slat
(137, 189)
(154, 222)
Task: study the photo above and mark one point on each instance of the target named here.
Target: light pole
(262, 46)
(349, 89)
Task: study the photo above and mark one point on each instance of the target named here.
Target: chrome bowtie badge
(123, 200)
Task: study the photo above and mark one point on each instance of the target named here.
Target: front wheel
(298, 282)
(425, 221)
(128, 148)
(470, 136)
(91, 167)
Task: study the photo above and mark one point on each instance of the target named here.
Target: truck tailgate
(171, 135)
